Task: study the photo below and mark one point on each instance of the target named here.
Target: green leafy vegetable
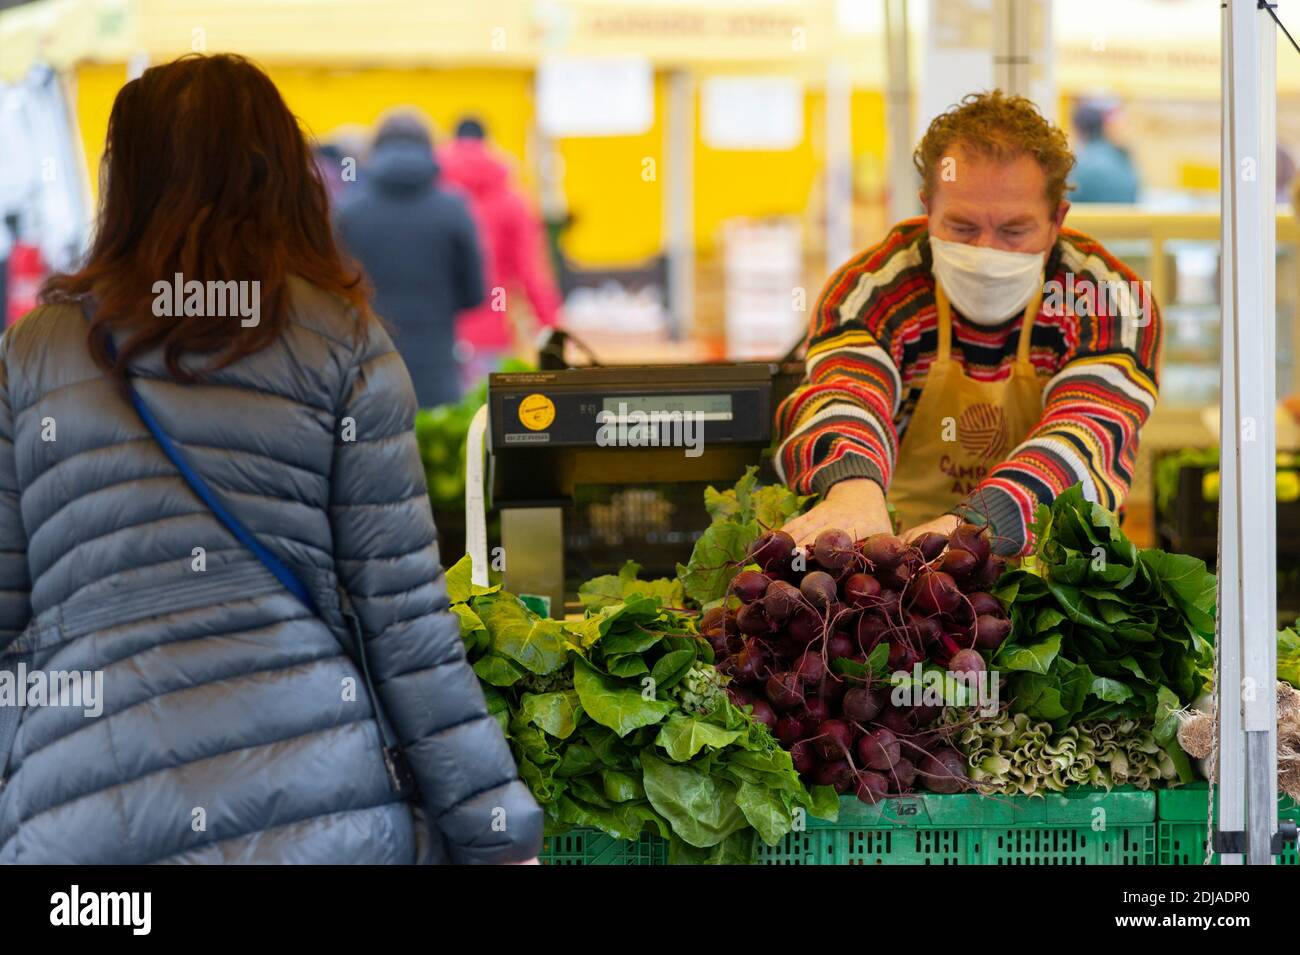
(700, 805)
(1288, 657)
(740, 514)
(715, 559)
(1101, 629)
(609, 703)
(684, 736)
(440, 433)
(535, 643)
(619, 721)
(613, 589)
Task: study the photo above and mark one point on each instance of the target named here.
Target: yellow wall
(326, 98)
(96, 86)
(742, 182)
(615, 197)
(618, 210)
(614, 186)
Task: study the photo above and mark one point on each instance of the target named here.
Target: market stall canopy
(415, 32)
(62, 33)
(1147, 47)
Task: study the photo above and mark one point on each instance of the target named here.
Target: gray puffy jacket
(233, 726)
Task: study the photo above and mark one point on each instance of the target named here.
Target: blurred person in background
(8, 236)
(222, 687)
(514, 250)
(25, 269)
(1285, 172)
(329, 163)
(1103, 170)
(337, 157)
(419, 248)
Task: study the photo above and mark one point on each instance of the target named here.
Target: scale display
(725, 405)
(704, 407)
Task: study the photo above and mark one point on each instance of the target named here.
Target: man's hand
(856, 505)
(944, 525)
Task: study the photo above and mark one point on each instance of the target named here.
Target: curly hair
(998, 127)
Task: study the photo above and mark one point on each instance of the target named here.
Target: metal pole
(903, 184)
(1011, 47)
(679, 201)
(1231, 765)
(839, 167)
(1249, 373)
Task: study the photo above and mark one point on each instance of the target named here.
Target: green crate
(966, 829)
(592, 847)
(1180, 824)
(931, 829)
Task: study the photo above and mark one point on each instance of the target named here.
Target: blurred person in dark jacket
(419, 248)
(514, 250)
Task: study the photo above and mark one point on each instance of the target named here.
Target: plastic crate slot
(938, 846)
(867, 846)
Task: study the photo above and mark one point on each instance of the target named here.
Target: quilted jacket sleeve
(386, 555)
(15, 583)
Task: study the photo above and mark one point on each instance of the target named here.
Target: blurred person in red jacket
(514, 251)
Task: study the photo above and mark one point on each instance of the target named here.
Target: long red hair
(205, 173)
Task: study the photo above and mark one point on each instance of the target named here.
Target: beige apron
(961, 428)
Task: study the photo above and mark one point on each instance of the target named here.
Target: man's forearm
(836, 430)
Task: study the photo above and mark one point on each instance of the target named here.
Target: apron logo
(982, 430)
(965, 477)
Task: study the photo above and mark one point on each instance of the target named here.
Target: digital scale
(592, 466)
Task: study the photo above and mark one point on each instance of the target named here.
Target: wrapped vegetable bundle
(1014, 755)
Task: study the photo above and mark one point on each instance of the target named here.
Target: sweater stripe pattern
(874, 336)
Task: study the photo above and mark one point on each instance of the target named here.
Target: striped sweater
(874, 336)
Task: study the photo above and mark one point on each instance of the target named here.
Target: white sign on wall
(595, 96)
(751, 112)
(966, 39)
(764, 266)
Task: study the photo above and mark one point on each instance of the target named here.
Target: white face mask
(986, 285)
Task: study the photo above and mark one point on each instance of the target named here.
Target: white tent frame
(1247, 570)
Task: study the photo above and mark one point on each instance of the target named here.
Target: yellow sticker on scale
(536, 412)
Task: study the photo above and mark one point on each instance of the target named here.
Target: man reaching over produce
(980, 359)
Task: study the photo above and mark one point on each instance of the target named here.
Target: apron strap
(945, 323)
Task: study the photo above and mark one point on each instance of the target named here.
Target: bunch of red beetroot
(843, 600)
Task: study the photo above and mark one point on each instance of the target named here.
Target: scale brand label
(517, 437)
(536, 412)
